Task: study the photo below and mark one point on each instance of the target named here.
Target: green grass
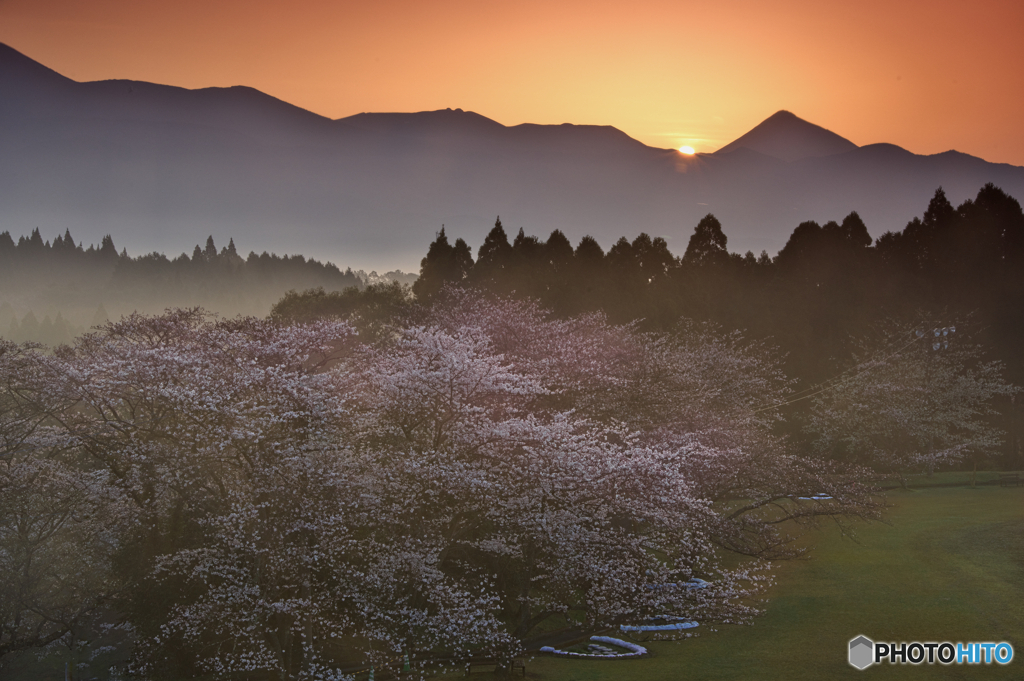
(944, 479)
(948, 566)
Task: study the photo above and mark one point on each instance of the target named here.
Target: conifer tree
(444, 264)
(708, 243)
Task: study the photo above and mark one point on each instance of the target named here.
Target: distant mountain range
(162, 167)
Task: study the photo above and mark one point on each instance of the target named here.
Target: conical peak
(786, 136)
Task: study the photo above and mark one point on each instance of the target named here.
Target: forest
(543, 436)
(53, 291)
(827, 292)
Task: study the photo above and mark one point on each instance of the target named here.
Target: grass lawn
(948, 566)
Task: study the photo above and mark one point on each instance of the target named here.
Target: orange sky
(929, 75)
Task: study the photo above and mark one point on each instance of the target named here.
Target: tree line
(52, 291)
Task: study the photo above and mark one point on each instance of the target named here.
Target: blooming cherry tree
(59, 525)
(911, 401)
(296, 499)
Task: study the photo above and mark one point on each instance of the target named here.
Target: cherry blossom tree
(259, 525)
(58, 524)
(180, 409)
(195, 422)
(563, 513)
(583, 465)
(710, 393)
(58, 538)
(716, 395)
(302, 571)
(292, 498)
(914, 398)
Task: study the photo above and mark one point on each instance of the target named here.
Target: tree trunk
(903, 480)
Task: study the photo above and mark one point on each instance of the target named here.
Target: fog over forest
(53, 291)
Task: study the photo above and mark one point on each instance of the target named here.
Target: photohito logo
(864, 652)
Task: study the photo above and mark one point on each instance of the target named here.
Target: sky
(928, 75)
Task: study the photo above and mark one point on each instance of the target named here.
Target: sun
(686, 150)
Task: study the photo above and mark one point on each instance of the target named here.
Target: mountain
(162, 167)
(785, 136)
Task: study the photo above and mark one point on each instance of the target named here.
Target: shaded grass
(944, 479)
(948, 566)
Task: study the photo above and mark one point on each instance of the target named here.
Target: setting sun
(686, 150)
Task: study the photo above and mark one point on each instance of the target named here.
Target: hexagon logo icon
(862, 652)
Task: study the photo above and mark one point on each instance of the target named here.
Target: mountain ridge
(161, 167)
(773, 137)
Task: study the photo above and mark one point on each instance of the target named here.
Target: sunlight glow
(686, 150)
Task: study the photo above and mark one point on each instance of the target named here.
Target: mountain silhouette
(790, 138)
(162, 167)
